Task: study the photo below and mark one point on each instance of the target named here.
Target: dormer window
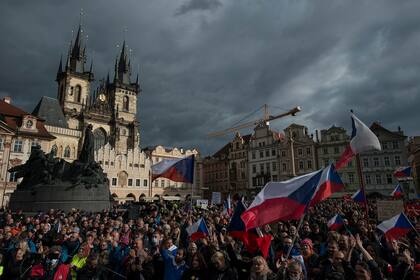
(29, 123)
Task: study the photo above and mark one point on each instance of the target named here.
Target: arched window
(99, 136)
(54, 150)
(67, 152)
(78, 94)
(126, 103)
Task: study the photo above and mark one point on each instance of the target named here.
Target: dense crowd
(155, 245)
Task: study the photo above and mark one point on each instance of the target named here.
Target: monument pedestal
(44, 198)
(52, 183)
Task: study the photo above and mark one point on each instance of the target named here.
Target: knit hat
(307, 242)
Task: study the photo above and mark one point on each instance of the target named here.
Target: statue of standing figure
(87, 154)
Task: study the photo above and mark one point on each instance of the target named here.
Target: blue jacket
(172, 270)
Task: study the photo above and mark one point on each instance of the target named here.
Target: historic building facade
(19, 132)
(216, 172)
(262, 157)
(378, 166)
(330, 146)
(238, 164)
(296, 152)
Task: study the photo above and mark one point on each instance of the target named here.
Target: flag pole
(362, 184)
(295, 236)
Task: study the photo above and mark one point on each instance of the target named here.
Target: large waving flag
(288, 200)
(397, 192)
(403, 172)
(362, 140)
(396, 227)
(251, 239)
(335, 222)
(359, 196)
(177, 170)
(198, 230)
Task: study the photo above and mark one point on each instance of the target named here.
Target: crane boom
(267, 118)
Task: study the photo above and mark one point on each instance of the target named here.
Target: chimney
(316, 135)
(7, 99)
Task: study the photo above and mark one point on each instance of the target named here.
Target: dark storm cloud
(198, 5)
(203, 71)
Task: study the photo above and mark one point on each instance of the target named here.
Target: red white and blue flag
(251, 239)
(177, 170)
(198, 230)
(362, 140)
(288, 200)
(397, 192)
(227, 206)
(403, 172)
(396, 227)
(335, 223)
(359, 196)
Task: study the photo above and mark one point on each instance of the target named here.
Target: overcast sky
(206, 64)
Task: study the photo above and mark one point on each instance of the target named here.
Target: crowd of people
(154, 244)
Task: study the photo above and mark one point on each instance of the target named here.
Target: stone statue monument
(52, 183)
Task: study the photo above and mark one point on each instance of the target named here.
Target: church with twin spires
(111, 109)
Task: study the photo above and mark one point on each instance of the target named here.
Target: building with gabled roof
(19, 132)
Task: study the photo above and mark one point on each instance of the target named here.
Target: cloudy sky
(206, 64)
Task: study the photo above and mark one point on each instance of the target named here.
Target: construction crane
(267, 118)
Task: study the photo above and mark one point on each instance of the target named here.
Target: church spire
(60, 67)
(124, 71)
(77, 47)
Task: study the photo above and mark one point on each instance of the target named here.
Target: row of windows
(268, 167)
(378, 179)
(112, 164)
(267, 153)
(390, 145)
(300, 152)
(377, 161)
(130, 182)
(162, 184)
(260, 181)
(17, 146)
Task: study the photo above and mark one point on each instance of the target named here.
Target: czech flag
(288, 200)
(227, 206)
(335, 223)
(362, 140)
(177, 170)
(403, 172)
(198, 230)
(396, 227)
(397, 192)
(251, 239)
(359, 196)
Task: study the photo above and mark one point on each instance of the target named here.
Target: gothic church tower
(74, 81)
(123, 96)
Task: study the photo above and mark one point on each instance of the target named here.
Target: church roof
(49, 109)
